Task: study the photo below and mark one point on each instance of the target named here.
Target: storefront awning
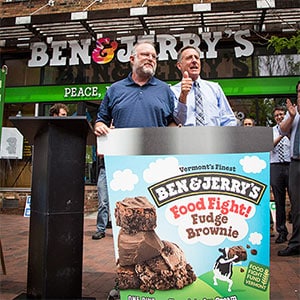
(260, 16)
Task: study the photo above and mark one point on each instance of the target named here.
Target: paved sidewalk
(99, 263)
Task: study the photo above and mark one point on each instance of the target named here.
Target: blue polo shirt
(130, 105)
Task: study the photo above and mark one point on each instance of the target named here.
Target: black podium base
(24, 296)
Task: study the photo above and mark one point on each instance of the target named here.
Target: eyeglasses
(148, 55)
(247, 124)
(278, 115)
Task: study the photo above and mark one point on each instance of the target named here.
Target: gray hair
(133, 51)
(179, 54)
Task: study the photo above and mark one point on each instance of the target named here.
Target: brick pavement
(99, 263)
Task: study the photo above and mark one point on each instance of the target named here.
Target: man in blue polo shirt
(140, 100)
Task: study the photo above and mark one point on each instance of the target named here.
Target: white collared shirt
(285, 141)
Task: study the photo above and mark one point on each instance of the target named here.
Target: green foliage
(280, 44)
(261, 110)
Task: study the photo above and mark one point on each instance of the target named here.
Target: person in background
(139, 100)
(103, 204)
(291, 126)
(103, 216)
(58, 110)
(248, 122)
(203, 102)
(279, 173)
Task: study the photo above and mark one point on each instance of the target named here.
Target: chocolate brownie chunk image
(138, 247)
(127, 278)
(240, 251)
(167, 271)
(175, 259)
(155, 275)
(135, 214)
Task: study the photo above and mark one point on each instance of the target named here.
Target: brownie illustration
(127, 278)
(135, 214)
(240, 251)
(145, 261)
(167, 271)
(136, 248)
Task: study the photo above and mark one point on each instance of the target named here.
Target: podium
(186, 140)
(57, 205)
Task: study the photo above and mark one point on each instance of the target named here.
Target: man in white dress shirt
(279, 170)
(216, 108)
(291, 126)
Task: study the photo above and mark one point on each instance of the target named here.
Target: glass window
(260, 109)
(67, 74)
(226, 65)
(278, 65)
(20, 75)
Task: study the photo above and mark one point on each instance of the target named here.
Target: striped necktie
(296, 148)
(281, 151)
(198, 105)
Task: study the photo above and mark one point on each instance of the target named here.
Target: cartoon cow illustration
(223, 267)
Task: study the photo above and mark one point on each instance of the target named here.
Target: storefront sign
(106, 49)
(78, 91)
(232, 87)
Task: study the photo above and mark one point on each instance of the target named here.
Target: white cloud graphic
(252, 164)
(124, 180)
(255, 238)
(161, 169)
(209, 223)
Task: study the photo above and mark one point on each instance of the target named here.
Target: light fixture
(138, 11)
(177, 29)
(200, 7)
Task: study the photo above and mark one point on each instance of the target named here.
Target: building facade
(71, 51)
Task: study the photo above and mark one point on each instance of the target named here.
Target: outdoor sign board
(27, 207)
(11, 146)
(189, 224)
(3, 73)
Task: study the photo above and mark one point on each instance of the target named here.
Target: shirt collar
(151, 81)
(198, 79)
